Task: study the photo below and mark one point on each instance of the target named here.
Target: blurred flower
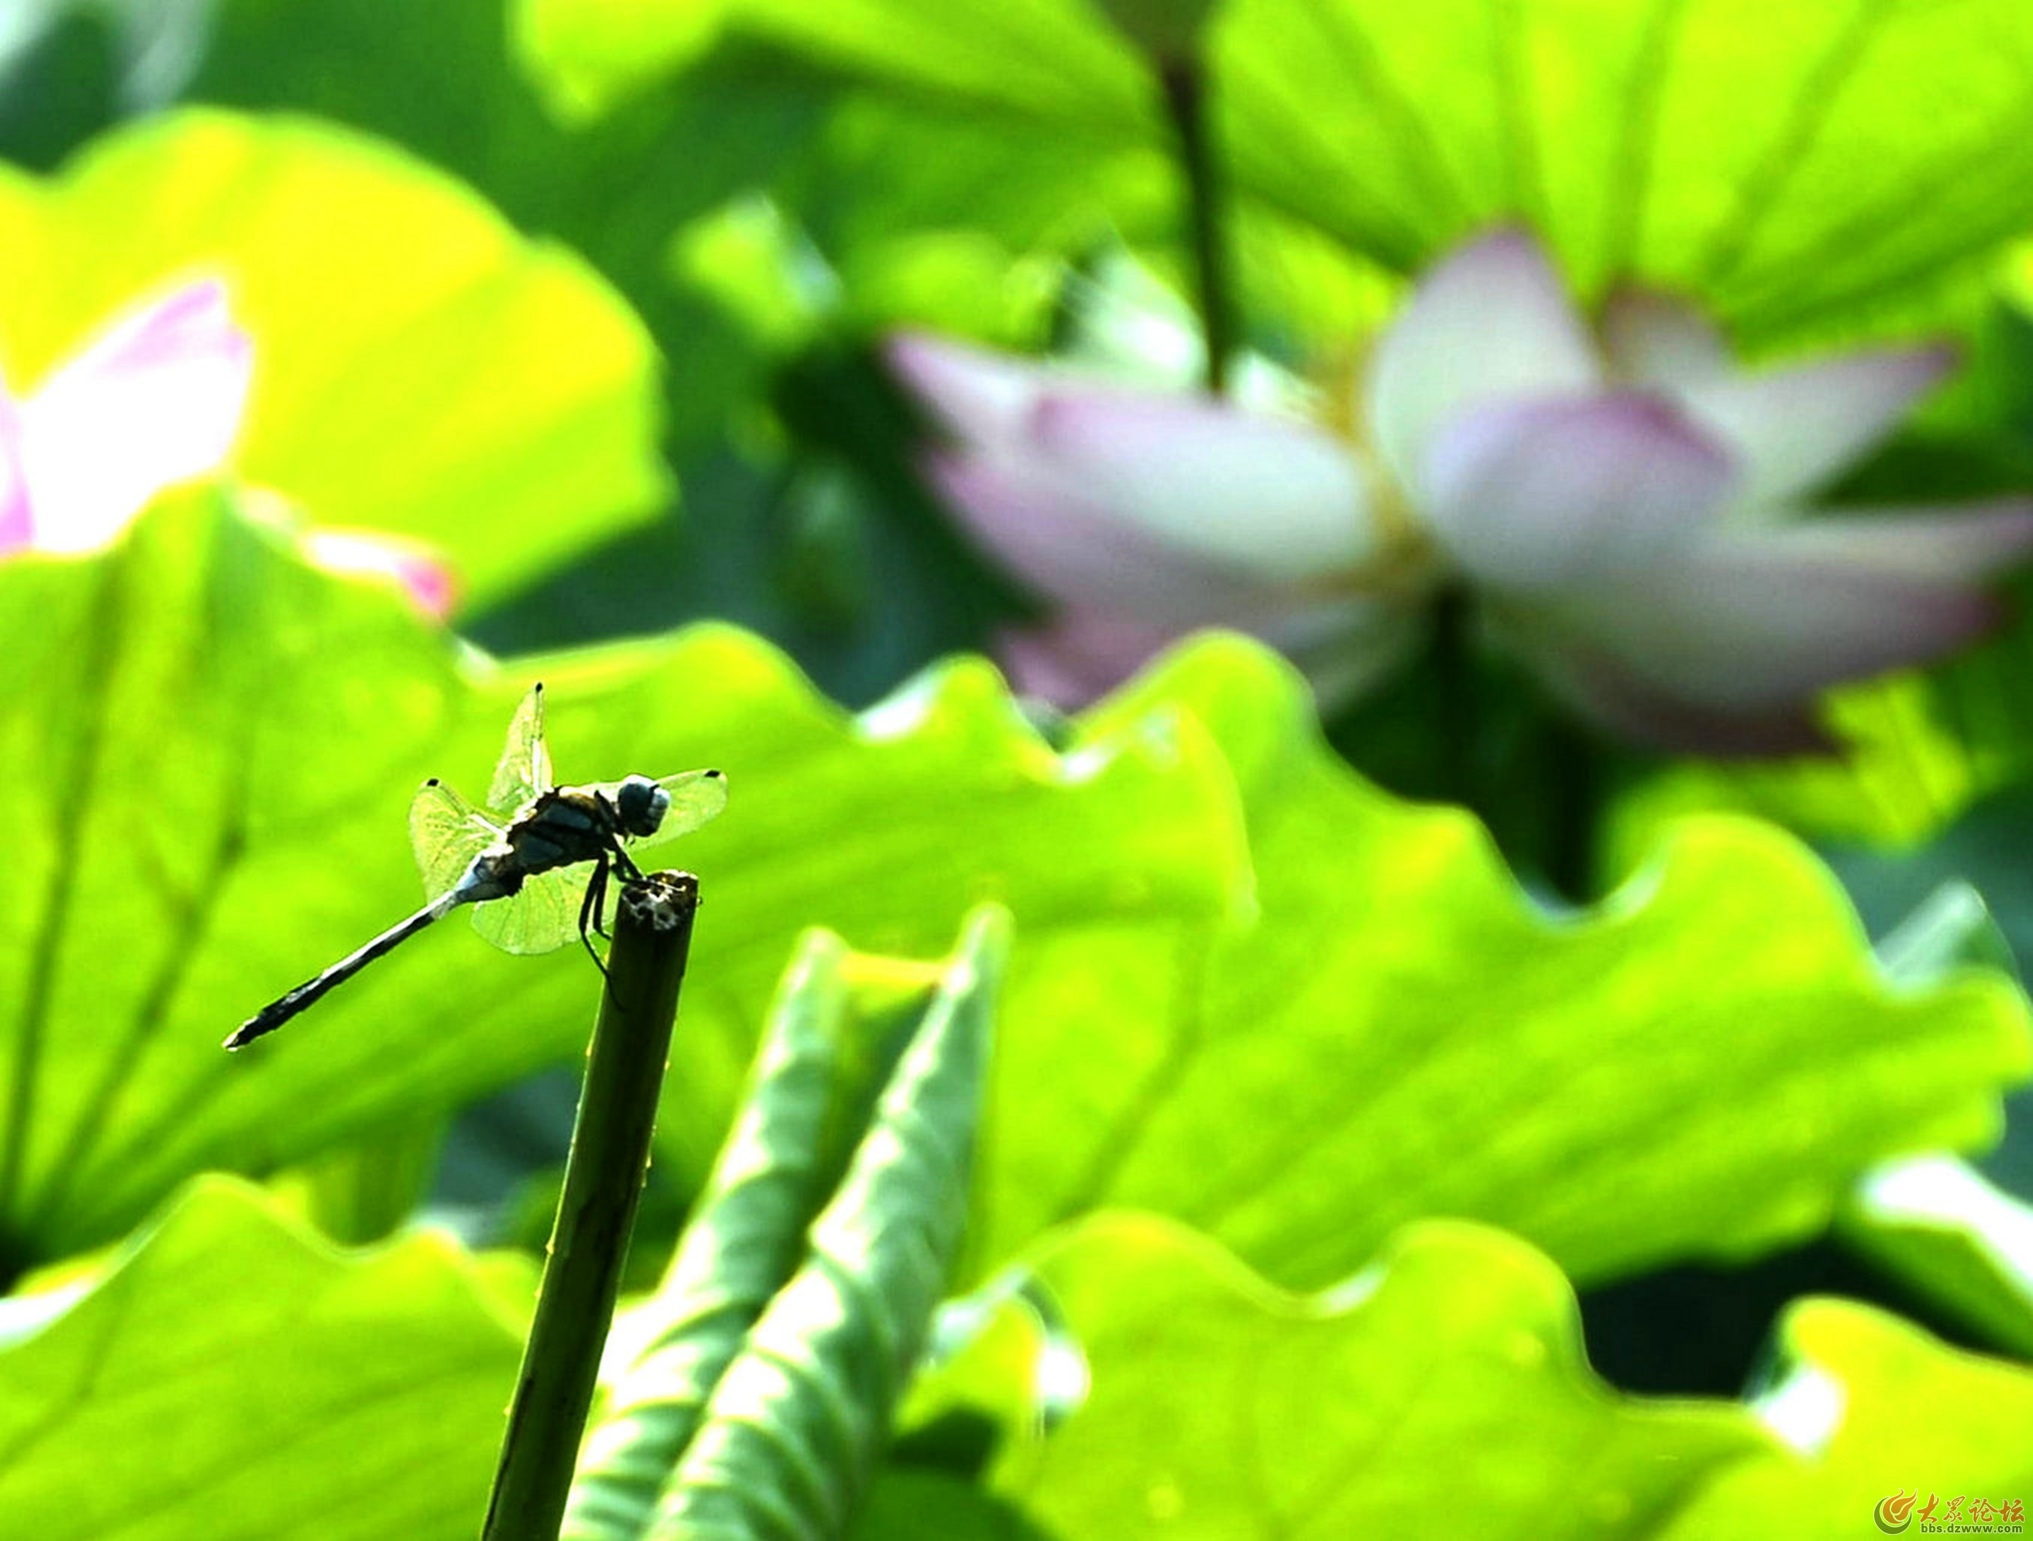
(156, 398)
(407, 564)
(153, 400)
(1626, 508)
(1146, 515)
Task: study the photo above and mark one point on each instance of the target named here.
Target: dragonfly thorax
(641, 805)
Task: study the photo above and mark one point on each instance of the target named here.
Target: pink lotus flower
(1626, 508)
(154, 399)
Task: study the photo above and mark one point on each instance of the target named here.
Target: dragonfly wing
(696, 798)
(446, 832)
(542, 917)
(525, 767)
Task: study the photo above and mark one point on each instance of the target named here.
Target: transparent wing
(541, 918)
(446, 832)
(525, 767)
(696, 798)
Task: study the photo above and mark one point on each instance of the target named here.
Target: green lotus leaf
(1786, 166)
(226, 742)
(1698, 1067)
(1888, 1411)
(231, 1374)
(1442, 1393)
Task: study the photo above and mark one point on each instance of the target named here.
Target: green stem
(603, 1180)
(1187, 91)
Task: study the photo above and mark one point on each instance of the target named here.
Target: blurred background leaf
(418, 367)
(1884, 1408)
(1779, 167)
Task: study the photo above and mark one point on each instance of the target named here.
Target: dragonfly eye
(641, 803)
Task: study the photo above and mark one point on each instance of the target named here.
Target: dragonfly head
(641, 803)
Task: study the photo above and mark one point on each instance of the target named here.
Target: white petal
(1797, 429)
(1743, 621)
(1938, 543)
(982, 398)
(154, 400)
(1537, 495)
(1077, 553)
(1654, 339)
(1493, 322)
(1275, 500)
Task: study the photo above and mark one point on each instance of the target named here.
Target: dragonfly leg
(625, 864)
(628, 872)
(616, 861)
(591, 911)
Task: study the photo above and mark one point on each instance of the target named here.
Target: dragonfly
(521, 860)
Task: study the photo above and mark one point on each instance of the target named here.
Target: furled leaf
(834, 1032)
(220, 745)
(1444, 1393)
(418, 366)
(789, 1439)
(1698, 1067)
(232, 1376)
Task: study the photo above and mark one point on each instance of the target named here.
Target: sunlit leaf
(590, 55)
(1444, 1394)
(1699, 1067)
(224, 745)
(234, 1375)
